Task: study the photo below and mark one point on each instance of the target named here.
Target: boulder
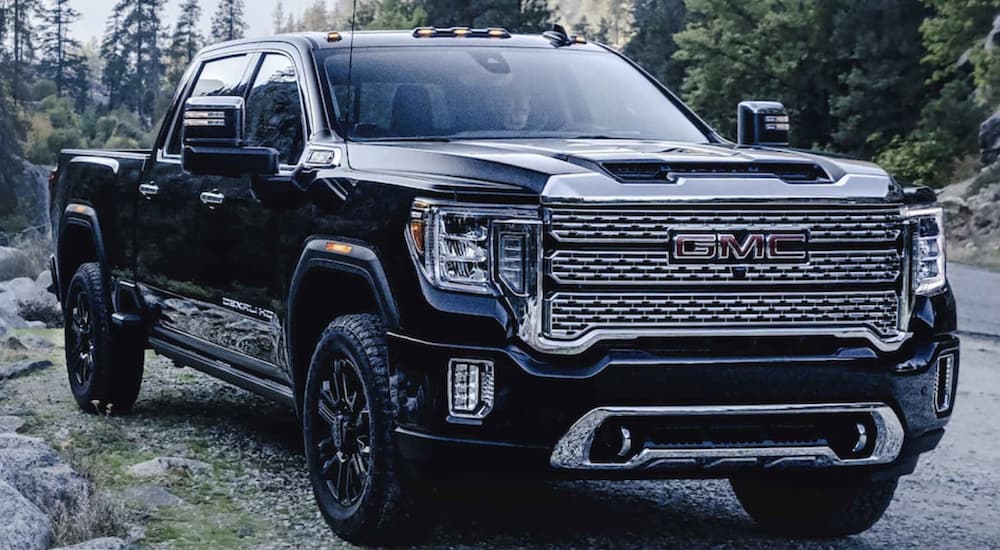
(13, 343)
(989, 139)
(35, 469)
(19, 368)
(164, 465)
(24, 526)
(151, 497)
(106, 543)
(10, 424)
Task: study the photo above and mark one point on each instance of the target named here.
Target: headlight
(928, 257)
(474, 249)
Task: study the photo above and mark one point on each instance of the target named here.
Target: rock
(24, 526)
(10, 424)
(44, 280)
(993, 38)
(35, 324)
(33, 341)
(151, 497)
(14, 344)
(19, 368)
(40, 474)
(106, 543)
(164, 465)
(989, 139)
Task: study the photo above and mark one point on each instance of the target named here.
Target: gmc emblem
(739, 247)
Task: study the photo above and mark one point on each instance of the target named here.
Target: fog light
(944, 386)
(470, 388)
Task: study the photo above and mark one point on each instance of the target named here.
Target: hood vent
(791, 172)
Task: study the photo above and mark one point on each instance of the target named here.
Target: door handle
(149, 190)
(212, 199)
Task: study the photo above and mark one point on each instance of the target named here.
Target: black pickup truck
(460, 250)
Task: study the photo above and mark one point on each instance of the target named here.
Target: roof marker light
(334, 36)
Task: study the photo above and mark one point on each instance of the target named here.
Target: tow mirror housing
(214, 143)
(762, 123)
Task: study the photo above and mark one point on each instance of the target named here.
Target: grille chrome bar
(651, 267)
(572, 314)
(826, 225)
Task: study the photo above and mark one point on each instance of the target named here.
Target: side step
(224, 371)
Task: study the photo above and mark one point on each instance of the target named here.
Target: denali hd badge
(786, 246)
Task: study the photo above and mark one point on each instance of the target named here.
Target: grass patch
(30, 258)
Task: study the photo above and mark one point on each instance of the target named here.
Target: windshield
(488, 92)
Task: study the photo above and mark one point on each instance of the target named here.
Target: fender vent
(792, 172)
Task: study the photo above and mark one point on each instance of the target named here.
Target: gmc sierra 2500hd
(455, 250)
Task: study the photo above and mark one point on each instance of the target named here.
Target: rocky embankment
(972, 211)
(43, 500)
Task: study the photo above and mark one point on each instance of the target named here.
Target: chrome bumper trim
(573, 450)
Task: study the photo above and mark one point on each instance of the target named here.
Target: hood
(584, 170)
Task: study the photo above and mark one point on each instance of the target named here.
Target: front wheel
(815, 506)
(348, 422)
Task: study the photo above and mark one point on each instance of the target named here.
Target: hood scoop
(669, 172)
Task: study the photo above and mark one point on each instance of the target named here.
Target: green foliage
(762, 49)
(396, 14)
(653, 44)
(954, 28)
(513, 15)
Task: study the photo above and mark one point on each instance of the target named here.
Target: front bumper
(539, 399)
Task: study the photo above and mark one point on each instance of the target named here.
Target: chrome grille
(842, 225)
(597, 259)
(652, 267)
(572, 314)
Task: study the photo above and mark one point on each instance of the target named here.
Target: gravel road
(257, 495)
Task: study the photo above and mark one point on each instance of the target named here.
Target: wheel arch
(80, 242)
(333, 277)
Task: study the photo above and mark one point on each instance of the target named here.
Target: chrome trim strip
(102, 161)
(570, 347)
(593, 187)
(573, 449)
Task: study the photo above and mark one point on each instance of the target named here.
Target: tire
(815, 506)
(104, 373)
(354, 468)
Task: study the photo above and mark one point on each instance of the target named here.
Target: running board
(224, 371)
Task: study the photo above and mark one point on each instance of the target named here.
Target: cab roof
(365, 39)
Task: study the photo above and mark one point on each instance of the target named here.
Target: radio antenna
(350, 74)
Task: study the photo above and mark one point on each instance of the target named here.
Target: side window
(274, 109)
(216, 78)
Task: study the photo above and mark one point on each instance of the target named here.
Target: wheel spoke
(342, 473)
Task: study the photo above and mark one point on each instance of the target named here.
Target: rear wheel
(104, 373)
(348, 422)
(815, 505)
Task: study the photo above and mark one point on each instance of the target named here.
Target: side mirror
(214, 145)
(762, 123)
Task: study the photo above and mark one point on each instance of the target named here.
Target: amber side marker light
(338, 248)
(79, 209)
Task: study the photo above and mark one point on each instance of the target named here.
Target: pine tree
(187, 39)
(10, 126)
(62, 61)
(133, 56)
(185, 42)
(113, 52)
(514, 15)
(278, 19)
(22, 39)
(229, 23)
(652, 45)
